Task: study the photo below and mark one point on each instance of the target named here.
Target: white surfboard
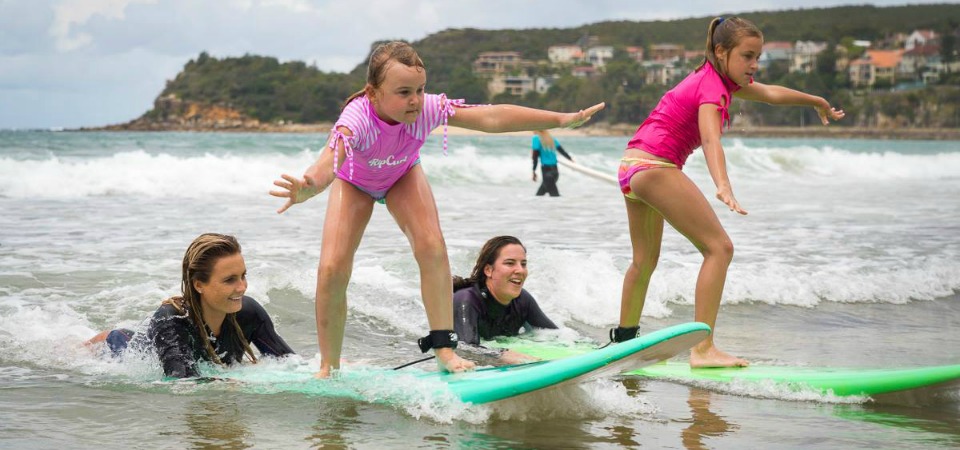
(588, 171)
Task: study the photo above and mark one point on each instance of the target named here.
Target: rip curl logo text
(379, 163)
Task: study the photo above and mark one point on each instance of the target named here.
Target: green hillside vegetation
(265, 89)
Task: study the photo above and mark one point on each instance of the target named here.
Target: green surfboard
(838, 381)
(478, 386)
(498, 383)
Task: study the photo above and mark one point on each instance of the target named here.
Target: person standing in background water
(545, 148)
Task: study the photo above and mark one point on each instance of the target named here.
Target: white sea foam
(158, 174)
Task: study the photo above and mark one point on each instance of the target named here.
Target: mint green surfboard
(498, 383)
(478, 386)
(839, 381)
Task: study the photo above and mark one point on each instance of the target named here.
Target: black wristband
(620, 334)
(438, 339)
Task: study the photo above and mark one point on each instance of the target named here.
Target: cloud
(90, 62)
(69, 13)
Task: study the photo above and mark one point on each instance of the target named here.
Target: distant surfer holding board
(492, 302)
(692, 115)
(545, 149)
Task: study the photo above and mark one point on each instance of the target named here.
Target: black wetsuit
(174, 338)
(477, 315)
(549, 171)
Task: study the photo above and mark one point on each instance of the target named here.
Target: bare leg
(411, 203)
(646, 232)
(98, 338)
(348, 212)
(681, 203)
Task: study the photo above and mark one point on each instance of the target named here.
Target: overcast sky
(72, 63)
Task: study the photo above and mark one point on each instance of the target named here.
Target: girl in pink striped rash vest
(374, 156)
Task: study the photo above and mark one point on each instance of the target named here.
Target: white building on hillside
(564, 54)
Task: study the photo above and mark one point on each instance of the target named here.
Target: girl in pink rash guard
(692, 115)
(374, 155)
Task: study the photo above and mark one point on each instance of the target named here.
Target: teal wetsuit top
(546, 156)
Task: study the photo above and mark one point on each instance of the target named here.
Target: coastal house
(564, 54)
(584, 71)
(921, 63)
(598, 56)
(804, 56)
(634, 53)
(666, 52)
(491, 63)
(875, 66)
(517, 85)
(919, 38)
(691, 57)
(663, 72)
(775, 51)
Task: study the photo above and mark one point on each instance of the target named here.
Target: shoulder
(355, 116)
(710, 82)
(250, 310)
(170, 308)
(467, 294)
(526, 297)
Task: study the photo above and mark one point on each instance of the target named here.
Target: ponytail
(726, 33)
(709, 54)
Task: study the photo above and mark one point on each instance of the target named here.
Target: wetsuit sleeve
(561, 151)
(533, 315)
(173, 341)
(535, 144)
(466, 321)
(466, 317)
(258, 329)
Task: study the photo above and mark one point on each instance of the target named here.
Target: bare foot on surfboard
(449, 361)
(713, 357)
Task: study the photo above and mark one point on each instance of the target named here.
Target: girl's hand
(512, 357)
(298, 190)
(579, 118)
(449, 361)
(725, 195)
(828, 113)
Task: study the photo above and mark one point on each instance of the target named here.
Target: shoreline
(596, 130)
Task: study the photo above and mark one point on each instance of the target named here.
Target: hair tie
(720, 21)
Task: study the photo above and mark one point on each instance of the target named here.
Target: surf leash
(414, 362)
(620, 334)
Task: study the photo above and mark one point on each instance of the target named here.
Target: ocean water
(850, 257)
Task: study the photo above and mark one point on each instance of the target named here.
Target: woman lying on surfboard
(211, 321)
(492, 302)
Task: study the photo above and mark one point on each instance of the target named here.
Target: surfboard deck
(839, 381)
(498, 383)
(588, 171)
(479, 386)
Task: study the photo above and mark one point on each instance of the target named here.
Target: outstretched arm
(779, 95)
(503, 118)
(315, 179)
(709, 120)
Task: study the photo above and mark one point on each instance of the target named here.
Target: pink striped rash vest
(378, 153)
